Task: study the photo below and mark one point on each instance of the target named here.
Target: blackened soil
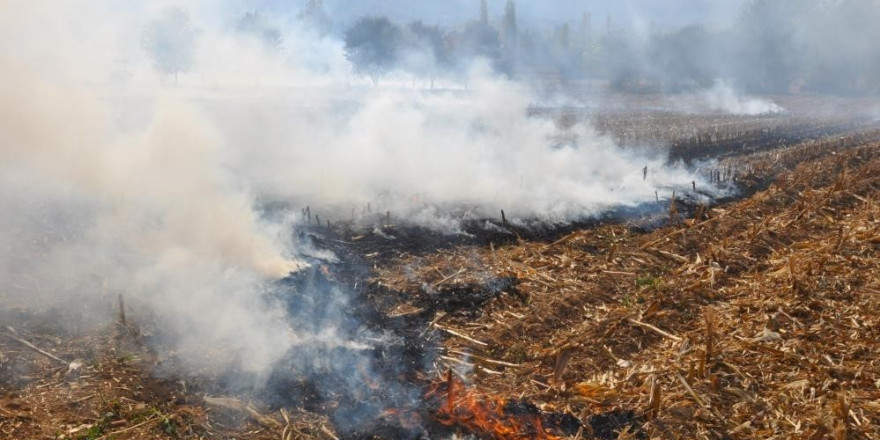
(609, 425)
(556, 423)
(467, 298)
(382, 244)
(378, 370)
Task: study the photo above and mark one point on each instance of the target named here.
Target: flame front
(486, 416)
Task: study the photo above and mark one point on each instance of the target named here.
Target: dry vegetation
(755, 319)
(101, 387)
(640, 121)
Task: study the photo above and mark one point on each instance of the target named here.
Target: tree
(253, 23)
(564, 37)
(566, 59)
(372, 45)
(624, 62)
(684, 59)
(170, 40)
(316, 17)
(769, 52)
(478, 41)
(426, 50)
(509, 33)
(844, 58)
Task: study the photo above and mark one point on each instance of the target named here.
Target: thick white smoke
(117, 179)
(96, 203)
(420, 154)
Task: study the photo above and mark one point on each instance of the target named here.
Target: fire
(487, 416)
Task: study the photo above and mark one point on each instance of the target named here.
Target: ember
(495, 417)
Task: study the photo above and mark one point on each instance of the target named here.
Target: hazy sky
(534, 12)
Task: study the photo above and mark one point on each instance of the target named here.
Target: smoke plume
(138, 162)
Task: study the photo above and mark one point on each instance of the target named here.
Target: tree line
(773, 46)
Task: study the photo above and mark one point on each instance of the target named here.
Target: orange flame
(485, 416)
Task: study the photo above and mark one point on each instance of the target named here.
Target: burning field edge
(756, 318)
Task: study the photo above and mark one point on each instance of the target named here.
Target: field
(756, 317)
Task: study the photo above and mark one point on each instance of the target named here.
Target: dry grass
(757, 320)
(107, 391)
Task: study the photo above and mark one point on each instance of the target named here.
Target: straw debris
(758, 319)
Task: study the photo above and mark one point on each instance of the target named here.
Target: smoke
(412, 151)
(723, 97)
(96, 204)
(137, 163)
(771, 46)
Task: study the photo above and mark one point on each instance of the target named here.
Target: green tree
(253, 23)
(316, 17)
(428, 53)
(477, 40)
(509, 34)
(372, 45)
(170, 40)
